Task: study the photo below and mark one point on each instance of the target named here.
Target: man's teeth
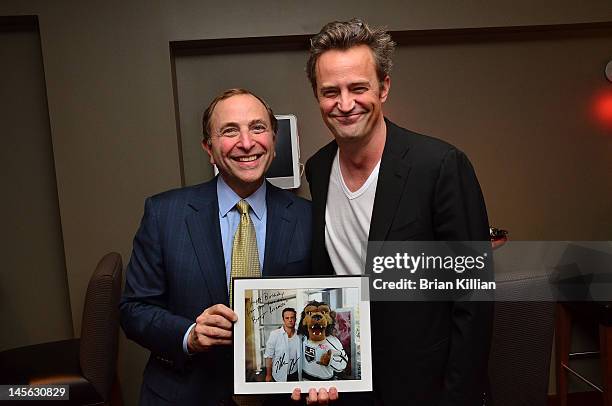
(246, 158)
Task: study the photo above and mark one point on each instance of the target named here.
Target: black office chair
(87, 365)
(519, 363)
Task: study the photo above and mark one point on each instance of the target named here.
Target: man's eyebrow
(352, 84)
(229, 124)
(329, 87)
(257, 121)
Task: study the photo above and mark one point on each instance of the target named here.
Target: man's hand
(268, 378)
(213, 327)
(322, 397)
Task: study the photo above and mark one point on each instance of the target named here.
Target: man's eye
(329, 93)
(229, 132)
(360, 89)
(258, 129)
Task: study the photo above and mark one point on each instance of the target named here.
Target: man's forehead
(240, 109)
(346, 63)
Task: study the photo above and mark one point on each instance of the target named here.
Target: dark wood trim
(281, 43)
(240, 45)
(18, 23)
(501, 34)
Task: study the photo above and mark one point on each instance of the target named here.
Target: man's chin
(346, 131)
(243, 184)
(348, 136)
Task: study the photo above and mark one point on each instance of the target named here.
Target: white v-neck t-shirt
(347, 220)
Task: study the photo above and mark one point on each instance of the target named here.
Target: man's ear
(206, 147)
(384, 88)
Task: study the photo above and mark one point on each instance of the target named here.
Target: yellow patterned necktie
(245, 262)
(245, 258)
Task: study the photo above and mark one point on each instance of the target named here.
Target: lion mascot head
(317, 321)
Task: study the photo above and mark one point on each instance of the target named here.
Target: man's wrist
(189, 340)
(192, 341)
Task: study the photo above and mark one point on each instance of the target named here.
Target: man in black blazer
(176, 301)
(379, 182)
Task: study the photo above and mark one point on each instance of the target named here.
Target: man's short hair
(288, 309)
(343, 35)
(207, 116)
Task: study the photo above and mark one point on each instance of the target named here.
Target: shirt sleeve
(339, 359)
(185, 338)
(270, 345)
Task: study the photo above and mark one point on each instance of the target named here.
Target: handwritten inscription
(266, 303)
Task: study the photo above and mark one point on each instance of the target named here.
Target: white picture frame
(259, 304)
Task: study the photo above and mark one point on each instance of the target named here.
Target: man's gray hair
(343, 35)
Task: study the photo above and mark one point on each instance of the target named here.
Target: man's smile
(347, 119)
(247, 158)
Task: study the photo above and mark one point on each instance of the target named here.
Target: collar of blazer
(205, 233)
(394, 169)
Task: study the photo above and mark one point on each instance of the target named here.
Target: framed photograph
(301, 333)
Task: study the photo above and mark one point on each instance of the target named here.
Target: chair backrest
(519, 363)
(100, 325)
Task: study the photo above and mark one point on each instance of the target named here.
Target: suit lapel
(205, 233)
(279, 227)
(392, 176)
(319, 185)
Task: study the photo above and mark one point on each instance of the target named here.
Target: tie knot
(243, 207)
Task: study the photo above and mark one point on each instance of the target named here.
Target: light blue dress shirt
(229, 218)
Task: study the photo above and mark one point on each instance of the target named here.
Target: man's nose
(346, 102)
(246, 139)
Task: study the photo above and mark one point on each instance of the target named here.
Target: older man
(193, 240)
(379, 182)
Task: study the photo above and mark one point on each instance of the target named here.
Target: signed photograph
(293, 331)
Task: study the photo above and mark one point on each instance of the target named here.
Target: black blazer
(432, 353)
(177, 270)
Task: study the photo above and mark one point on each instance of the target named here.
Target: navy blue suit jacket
(177, 270)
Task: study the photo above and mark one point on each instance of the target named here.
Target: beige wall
(32, 248)
(112, 119)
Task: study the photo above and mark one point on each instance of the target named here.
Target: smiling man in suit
(193, 240)
(379, 182)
